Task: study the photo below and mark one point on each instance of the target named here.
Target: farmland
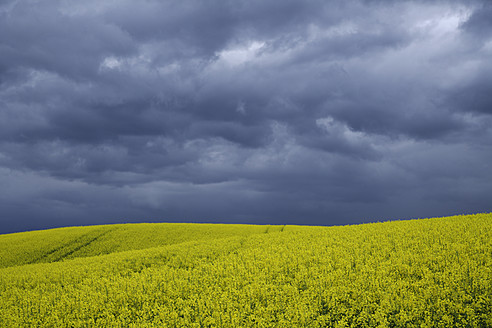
(417, 273)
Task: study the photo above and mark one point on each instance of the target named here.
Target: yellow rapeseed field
(417, 273)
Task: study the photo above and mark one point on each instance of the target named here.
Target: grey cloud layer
(254, 111)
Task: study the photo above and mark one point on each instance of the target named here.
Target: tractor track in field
(87, 243)
(69, 245)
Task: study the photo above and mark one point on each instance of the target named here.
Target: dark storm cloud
(243, 111)
(479, 22)
(37, 36)
(474, 95)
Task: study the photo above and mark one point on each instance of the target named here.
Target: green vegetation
(418, 273)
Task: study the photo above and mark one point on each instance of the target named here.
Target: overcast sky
(281, 112)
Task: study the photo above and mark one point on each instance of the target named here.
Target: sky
(258, 111)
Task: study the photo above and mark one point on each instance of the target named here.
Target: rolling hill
(416, 273)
